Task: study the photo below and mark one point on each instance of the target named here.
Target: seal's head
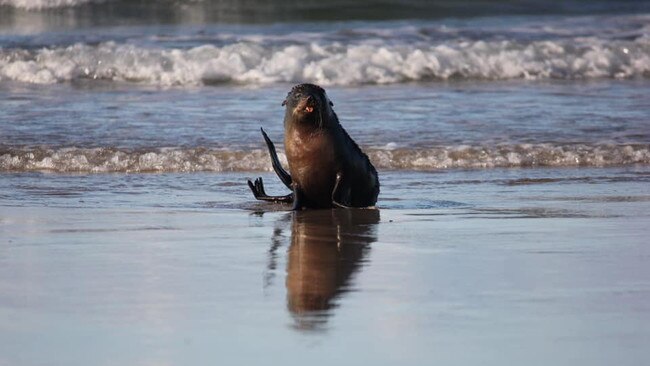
(307, 103)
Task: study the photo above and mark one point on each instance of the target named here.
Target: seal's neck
(303, 129)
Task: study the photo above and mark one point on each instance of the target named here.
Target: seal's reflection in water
(327, 248)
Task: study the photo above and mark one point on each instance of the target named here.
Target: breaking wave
(106, 160)
(330, 63)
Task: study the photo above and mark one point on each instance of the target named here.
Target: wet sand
(517, 266)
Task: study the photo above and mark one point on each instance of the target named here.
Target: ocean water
(512, 141)
(491, 91)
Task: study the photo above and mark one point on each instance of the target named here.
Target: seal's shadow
(327, 248)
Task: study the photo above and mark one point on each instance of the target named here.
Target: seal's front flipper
(260, 194)
(342, 195)
(335, 192)
(298, 198)
(279, 170)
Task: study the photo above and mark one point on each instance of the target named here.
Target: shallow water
(414, 126)
(456, 267)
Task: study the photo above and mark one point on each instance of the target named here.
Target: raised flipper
(260, 194)
(279, 170)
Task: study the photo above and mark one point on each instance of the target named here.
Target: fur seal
(328, 169)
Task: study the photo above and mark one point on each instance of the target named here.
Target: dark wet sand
(534, 267)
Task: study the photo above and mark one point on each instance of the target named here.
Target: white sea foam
(103, 160)
(520, 155)
(373, 62)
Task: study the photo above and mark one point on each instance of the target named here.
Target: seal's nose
(310, 102)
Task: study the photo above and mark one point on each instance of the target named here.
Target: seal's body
(328, 169)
